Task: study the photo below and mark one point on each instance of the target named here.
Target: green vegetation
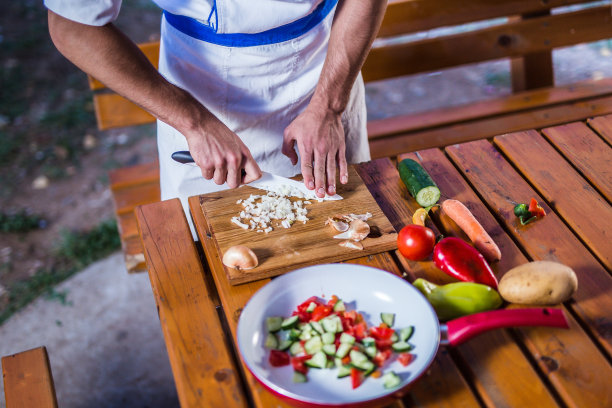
(20, 221)
(76, 251)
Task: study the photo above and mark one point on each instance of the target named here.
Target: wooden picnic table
(568, 169)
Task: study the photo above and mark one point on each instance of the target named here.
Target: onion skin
(240, 257)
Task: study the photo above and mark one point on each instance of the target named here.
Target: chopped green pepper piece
(521, 210)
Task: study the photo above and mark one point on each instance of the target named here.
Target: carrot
(470, 225)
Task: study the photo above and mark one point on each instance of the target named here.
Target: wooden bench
(28, 382)
(527, 37)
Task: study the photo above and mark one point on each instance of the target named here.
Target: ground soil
(79, 198)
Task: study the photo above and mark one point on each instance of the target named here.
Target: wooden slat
(493, 107)
(134, 175)
(499, 185)
(406, 16)
(202, 365)
(603, 126)
(582, 208)
(126, 199)
(562, 355)
(488, 127)
(113, 110)
(502, 377)
(127, 224)
(505, 41)
(133, 253)
(149, 49)
(587, 152)
(28, 382)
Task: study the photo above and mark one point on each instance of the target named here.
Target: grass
(76, 251)
(20, 221)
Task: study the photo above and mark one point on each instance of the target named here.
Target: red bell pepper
(535, 209)
(462, 261)
(278, 358)
(356, 377)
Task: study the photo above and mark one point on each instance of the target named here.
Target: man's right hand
(220, 154)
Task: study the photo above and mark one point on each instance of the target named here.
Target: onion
(240, 257)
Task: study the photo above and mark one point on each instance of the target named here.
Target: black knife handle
(182, 157)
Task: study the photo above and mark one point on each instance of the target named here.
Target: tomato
(405, 358)
(382, 332)
(298, 364)
(332, 302)
(278, 358)
(359, 331)
(416, 242)
(381, 357)
(320, 312)
(356, 377)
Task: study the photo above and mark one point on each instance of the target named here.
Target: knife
(270, 182)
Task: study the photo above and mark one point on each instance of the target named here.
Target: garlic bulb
(240, 257)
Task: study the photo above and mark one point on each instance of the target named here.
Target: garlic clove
(338, 225)
(359, 230)
(240, 257)
(345, 235)
(351, 245)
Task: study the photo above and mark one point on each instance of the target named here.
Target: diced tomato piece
(303, 316)
(360, 330)
(350, 315)
(346, 360)
(382, 356)
(381, 332)
(320, 312)
(405, 358)
(278, 358)
(298, 364)
(376, 374)
(356, 377)
(304, 305)
(332, 302)
(383, 344)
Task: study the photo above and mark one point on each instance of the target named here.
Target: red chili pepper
(462, 261)
(535, 209)
(356, 377)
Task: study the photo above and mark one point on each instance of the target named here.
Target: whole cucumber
(419, 183)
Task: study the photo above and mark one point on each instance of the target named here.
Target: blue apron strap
(203, 32)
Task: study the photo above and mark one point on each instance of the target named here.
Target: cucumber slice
(394, 337)
(344, 371)
(273, 324)
(294, 334)
(371, 351)
(357, 357)
(328, 338)
(347, 338)
(330, 364)
(338, 362)
(338, 324)
(313, 345)
(305, 335)
(406, 333)
(390, 380)
(401, 346)
(284, 344)
(311, 307)
(419, 183)
(317, 327)
(289, 322)
(329, 324)
(368, 342)
(299, 377)
(301, 326)
(271, 341)
(388, 318)
(366, 366)
(339, 306)
(329, 349)
(318, 360)
(296, 349)
(343, 350)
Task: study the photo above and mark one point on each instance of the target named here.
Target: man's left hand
(320, 140)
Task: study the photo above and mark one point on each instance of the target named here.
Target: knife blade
(270, 182)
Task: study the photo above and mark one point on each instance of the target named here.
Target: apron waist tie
(196, 29)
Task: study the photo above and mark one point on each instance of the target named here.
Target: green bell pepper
(458, 299)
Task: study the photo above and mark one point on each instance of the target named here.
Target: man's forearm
(108, 55)
(356, 23)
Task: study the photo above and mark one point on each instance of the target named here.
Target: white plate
(368, 290)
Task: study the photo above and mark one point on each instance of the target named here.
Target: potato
(538, 283)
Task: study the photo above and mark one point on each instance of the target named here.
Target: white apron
(256, 88)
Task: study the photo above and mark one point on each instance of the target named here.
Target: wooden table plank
(203, 368)
(501, 377)
(603, 126)
(28, 382)
(562, 355)
(500, 186)
(587, 152)
(583, 209)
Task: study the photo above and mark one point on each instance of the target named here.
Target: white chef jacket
(247, 63)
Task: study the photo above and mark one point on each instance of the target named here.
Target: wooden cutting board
(283, 250)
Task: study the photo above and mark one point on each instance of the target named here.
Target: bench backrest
(527, 34)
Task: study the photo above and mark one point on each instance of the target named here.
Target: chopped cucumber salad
(321, 335)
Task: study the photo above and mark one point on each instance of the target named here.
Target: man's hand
(221, 155)
(319, 135)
